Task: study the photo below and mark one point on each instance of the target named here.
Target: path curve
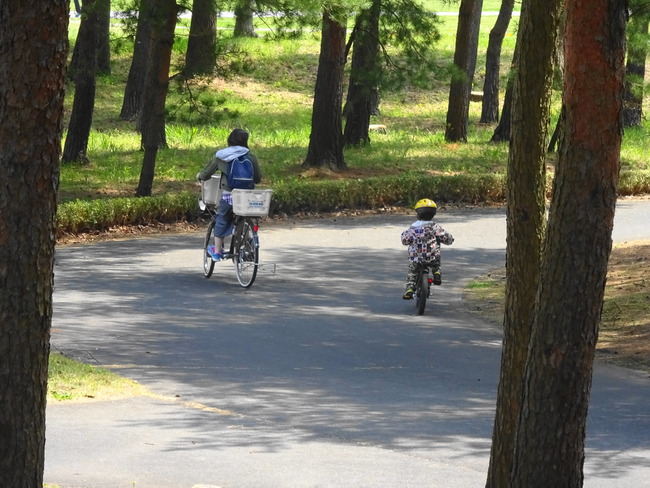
(319, 375)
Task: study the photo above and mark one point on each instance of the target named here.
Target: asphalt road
(320, 375)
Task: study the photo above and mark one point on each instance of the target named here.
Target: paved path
(320, 375)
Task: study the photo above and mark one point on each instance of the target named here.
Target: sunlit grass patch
(74, 380)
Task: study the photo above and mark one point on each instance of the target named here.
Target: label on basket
(254, 203)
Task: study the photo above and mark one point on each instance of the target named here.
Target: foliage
(80, 216)
(271, 97)
(408, 34)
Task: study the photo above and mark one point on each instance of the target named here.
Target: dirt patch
(625, 332)
(624, 336)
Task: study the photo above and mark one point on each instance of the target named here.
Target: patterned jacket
(423, 239)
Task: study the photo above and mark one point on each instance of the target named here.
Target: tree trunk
(490, 107)
(104, 37)
(135, 82)
(635, 70)
(326, 139)
(551, 429)
(362, 91)
(244, 18)
(74, 60)
(152, 122)
(526, 205)
(33, 54)
(201, 46)
(557, 132)
(469, 22)
(504, 127)
(81, 117)
(103, 48)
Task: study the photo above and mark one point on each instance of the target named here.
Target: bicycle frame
(422, 288)
(243, 249)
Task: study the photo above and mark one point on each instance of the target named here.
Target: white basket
(211, 190)
(251, 203)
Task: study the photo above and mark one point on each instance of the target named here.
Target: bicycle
(423, 286)
(244, 249)
(422, 289)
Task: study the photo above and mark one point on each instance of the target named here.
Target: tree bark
(102, 34)
(326, 139)
(635, 70)
(557, 132)
(490, 107)
(557, 382)
(74, 60)
(137, 73)
(504, 127)
(104, 37)
(201, 47)
(244, 26)
(362, 90)
(152, 122)
(81, 117)
(526, 205)
(33, 55)
(469, 21)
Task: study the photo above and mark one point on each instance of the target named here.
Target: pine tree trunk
(33, 50)
(469, 20)
(244, 26)
(490, 107)
(504, 127)
(152, 122)
(104, 37)
(364, 75)
(134, 89)
(326, 139)
(200, 55)
(74, 60)
(526, 210)
(81, 117)
(635, 72)
(557, 132)
(557, 382)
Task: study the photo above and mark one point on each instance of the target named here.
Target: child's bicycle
(422, 288)
(244, 249)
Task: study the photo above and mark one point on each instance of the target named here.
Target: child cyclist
(423, 239)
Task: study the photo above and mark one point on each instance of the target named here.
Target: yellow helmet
(425, 203)
(426, 209)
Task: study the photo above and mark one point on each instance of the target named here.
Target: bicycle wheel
(422, 288)
(208, 263)
(247, 255)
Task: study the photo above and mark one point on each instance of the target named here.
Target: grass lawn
(266, 86)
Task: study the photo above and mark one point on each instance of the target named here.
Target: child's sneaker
(408, 294)
(216, 256)
(437, 278)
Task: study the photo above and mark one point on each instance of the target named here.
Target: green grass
(270, 95)
(71, 380)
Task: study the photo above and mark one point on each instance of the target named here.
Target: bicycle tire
(208, 263)
(247, 255)
(422, 289)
